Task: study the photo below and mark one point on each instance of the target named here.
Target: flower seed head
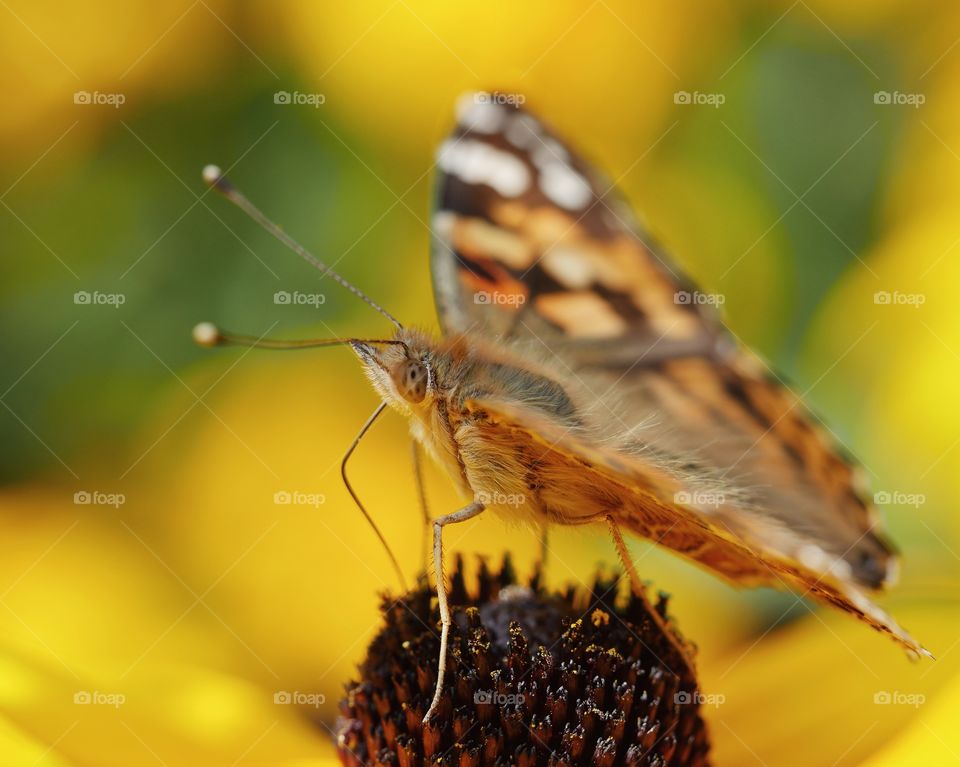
(535, 679)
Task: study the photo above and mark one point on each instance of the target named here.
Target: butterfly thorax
(439, 384)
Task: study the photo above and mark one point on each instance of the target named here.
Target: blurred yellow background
(157, 601)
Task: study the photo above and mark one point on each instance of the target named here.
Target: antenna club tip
(212, 174)
(206, 334)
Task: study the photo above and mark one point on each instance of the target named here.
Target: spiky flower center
(535, 678)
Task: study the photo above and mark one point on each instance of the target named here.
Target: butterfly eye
(411, 380)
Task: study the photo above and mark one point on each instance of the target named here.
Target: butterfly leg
(422, 495)
(464, 514)
(637, 587)
(544, 548)
(359, 503)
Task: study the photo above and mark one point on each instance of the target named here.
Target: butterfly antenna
(214, 177)
(209, 335)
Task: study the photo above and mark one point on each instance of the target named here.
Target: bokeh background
(156, 602)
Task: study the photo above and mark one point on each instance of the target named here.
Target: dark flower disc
(533, 678)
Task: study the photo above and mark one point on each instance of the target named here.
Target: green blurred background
(829, 173)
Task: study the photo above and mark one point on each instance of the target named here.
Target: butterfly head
(402, 370)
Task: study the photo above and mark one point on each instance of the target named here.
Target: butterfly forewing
(526, 231)
(531, 245)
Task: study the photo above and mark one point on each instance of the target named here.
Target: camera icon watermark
(498, 298)
(697, 298)
(96, 298)
(96, 98)
(697, 698)
(98, 498)
(896, 298)
(699, 499)
(297, 698)
(496, 498)
(296, 298)
(514, 100)
(493, 698)
(98, 698)
(896, 98)
(296, 98)
(299, 498)
(696, 98)
(899, 498)
(897, 698)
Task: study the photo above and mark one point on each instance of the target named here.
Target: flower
(534, 678)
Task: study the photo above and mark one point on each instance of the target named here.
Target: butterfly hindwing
(647, 508)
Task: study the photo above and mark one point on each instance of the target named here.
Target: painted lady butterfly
(577, 382)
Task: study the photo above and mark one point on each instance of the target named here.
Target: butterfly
(579, 380)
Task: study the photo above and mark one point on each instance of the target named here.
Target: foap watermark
(497, 298)
(697, 698)
(297, 98)
(115, 100)
(699, 498)
(697, 298)
(896, 98)
(493, 698)
(96, 298)
(686, 98)
(514, 500)
(896, 298)
(897, 698)
(98, 498)
(297, 698)
(98, 698)
(899, 498)
(299, 498)
(296, 298)
(503, 99)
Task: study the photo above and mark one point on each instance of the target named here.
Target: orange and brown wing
(532, 244)
(585, 482)
(530, 240)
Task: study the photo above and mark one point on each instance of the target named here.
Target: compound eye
(412, 381)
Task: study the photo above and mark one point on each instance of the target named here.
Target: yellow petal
(105, 659)
(932, 736)
(570, 59)
(827, 689)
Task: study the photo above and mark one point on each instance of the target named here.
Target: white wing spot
(549, 151)
(564, 186)
(569, 266)
(523, 131)
(475, 162)
(480, 116)
(442, 223)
